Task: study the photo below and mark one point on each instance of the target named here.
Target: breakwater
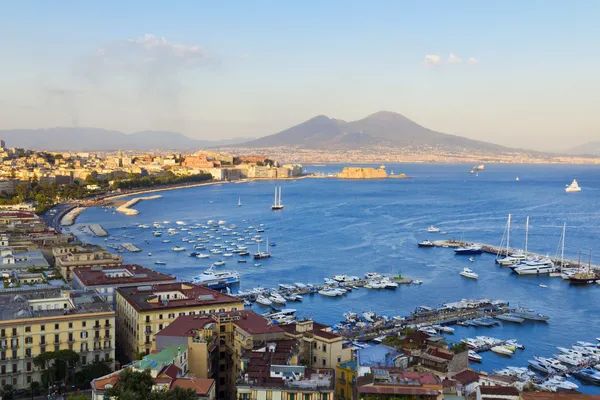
(126, 208)
(69, 218)
(98, 230)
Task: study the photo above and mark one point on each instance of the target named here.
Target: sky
(512, 72)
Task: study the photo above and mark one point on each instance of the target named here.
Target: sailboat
(573, 187)
(277, 201)
(261, 254)
(517, 257)
(239, 201)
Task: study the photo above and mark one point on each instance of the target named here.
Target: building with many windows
(35, 321)
(71, 256)
(142, 311)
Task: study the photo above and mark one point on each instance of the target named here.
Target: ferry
(215, 279)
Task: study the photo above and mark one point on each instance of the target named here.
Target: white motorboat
(570, 359)
(202, 255)
(178, 249)
(219, 263)
(340, 278)
(474, 356)
(512, 259)
(160, 263)
(552, 364)
(428, 330)
(534, 267)
(417, 282)
(369, 316)
(502, 350)
(263, 300)
(330, 292)
(372, 275)
(374, 285)
(468, 273)
(388, 283)
(277, 298)
(300, 285)
(227, 254)
(433, 229)
(573, 187)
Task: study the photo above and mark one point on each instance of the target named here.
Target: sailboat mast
(526, 234)
(508, 235)
(279, 196)
(562, 249)
(275, 200)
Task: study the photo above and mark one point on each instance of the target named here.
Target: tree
(91, 372)
(55, 364)
(6, 392)
(135, 385)
(78, 396)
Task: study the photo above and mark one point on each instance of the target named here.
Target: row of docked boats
(485, 343)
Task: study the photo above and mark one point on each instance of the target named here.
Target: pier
(69, 218)
(131, 247)
(492, 249)
(98, 230)
(126, 208)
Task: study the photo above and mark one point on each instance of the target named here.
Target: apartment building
(143, 311)
(271, 372)
(106, 280)
(33, 322)
(320, 348)
(71, 256)
(390, 383)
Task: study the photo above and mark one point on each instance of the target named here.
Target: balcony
(97, 327)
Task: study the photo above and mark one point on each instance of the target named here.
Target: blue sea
(332, 226)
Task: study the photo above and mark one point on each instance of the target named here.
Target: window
(84, 323)
(324, 347)
(307, 397)
(42, 327)
(27, 352)
(70, 325)
(70, 337)
(83, 360)
(233, 308)
(106, 357)
(324, 362)
(14, 354)
(56, 347)
(56, 338)
(181, 313)
(14, 368)
(56, 326)
(14, 331)
(343, 376)
(83, 335)
(2, 332)
(192, 313)
(325, 396)
(42, 349)
(42, 340)
(97, 323)
(314, 359)
(28, 340)
(27, 329)
(269, 395)
(107, 322)
(292, 396)
(160, 326)
(147, 318)
(339, 359)
(222, 328)
(172, 315)
(159, 316)
(28, 379)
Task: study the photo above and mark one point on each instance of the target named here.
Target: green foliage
(169, 178)
(78, 396)
(459, 347)
(91, 372)
(134, 385)
(6, 392)
(54, 364)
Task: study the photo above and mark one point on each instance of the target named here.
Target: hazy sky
(514, 72)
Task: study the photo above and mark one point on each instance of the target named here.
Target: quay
(98, 230)
(69, 218)
(126, 208)
(131, 247)
(492, 249)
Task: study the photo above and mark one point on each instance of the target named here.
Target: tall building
(144, 310)
(43, 320)
(71, 256)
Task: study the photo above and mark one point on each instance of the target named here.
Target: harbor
(126, 208)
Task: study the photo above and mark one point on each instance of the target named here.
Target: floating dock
(491, 249)
(98, 230)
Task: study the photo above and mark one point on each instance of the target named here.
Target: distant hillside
(590, 148)
(382, 128)
(95, 139)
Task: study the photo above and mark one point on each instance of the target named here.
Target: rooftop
(466, 377)
(49, 302)
(391, 381)
(158, 361)
(202, 387)
(318, 330)
(557, 396)
(145, 298)
(377, 356)
(186, 325)
(119, 275)
(499, 390)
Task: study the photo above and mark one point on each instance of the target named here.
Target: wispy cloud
(473, 60)
(452, 59)
(433, 60)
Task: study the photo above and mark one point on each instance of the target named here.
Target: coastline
(71, 216)
(128, 211)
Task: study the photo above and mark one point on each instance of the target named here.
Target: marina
(325, 234)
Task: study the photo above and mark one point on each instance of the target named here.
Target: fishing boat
(468, 273)
(425, 243)
(573, 187)
(469, 249)
(277, 201)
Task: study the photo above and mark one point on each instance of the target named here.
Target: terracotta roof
(397, 390)
(449, 383)
(196, 295)
(466, 377)
(94, 276)
(499, 390)
(202, 387)
(318, 330)
(253, 323)
(558, 396)
(100, 383)
(171, 371)
(184, 325)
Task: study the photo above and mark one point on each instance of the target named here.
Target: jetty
(126, 208)
(98, 230)
(69, 218)
(131, 247)
(492, 249)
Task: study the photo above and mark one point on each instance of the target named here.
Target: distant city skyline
(519, 74)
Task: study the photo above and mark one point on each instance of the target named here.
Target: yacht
(433, 229)
(372, 275)
(543, 368)
(214, 278)
(534, 267)
(512, 259)
(157, 233)
(588, 374)
(552, 363)
(509, 318)
(277, 202)
(570, 359)
(573, 187)
(300, 285)
(428, 330)
(388, 283)
(468, 273)
(340, 278)
(528, 314)
(277, 298)
(474, 356)
(502, 350)
(178, 248)
(330, 292)
(469, 249)
(426, 243)
(263, 300)
(261, 254)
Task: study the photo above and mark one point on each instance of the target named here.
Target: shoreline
(128, 211)
(70, 217)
